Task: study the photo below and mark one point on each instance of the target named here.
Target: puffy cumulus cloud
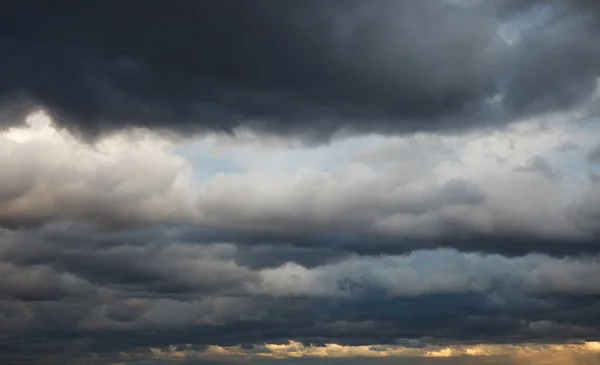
(517, 183)
(314, 69)
(122, 180)
(426, 186)
(436, 272)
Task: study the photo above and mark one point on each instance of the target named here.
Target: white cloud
(122, 179)
(414, 186)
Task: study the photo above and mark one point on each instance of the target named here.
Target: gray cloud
(310, 69)
(41, 283)
(117, 295)
(130, 247)
(540, 165)
(402, 195)
(594, 155)
(157, 268)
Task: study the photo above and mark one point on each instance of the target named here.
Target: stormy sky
(299, 182)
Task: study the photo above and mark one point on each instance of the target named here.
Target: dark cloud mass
(81, 293)
(310, 68)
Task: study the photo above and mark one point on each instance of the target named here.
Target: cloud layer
(85, 293)
(313, 69)
(426, 190)
(323, 181)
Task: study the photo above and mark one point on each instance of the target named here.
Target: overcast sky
(299, 182)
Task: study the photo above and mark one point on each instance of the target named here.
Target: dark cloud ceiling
(310, 68)
(83, 294)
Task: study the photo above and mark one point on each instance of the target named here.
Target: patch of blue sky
(207, 159)
(327, 157)
(205, 163)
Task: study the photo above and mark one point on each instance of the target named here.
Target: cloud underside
(136, 294)
(319, 181)
(310, 70)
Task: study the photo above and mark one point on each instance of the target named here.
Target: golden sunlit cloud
(523, 353)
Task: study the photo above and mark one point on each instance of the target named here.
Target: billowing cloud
(312, 69)
(119, 294)
(317, 181)
(432, 188)
(113, 182)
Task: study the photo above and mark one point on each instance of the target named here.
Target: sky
(270, 182)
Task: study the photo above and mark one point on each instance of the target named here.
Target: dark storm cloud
(255, 250)
(78, 293)
(310, 68)
(452, 319)
(147, 266)
(155, 293)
